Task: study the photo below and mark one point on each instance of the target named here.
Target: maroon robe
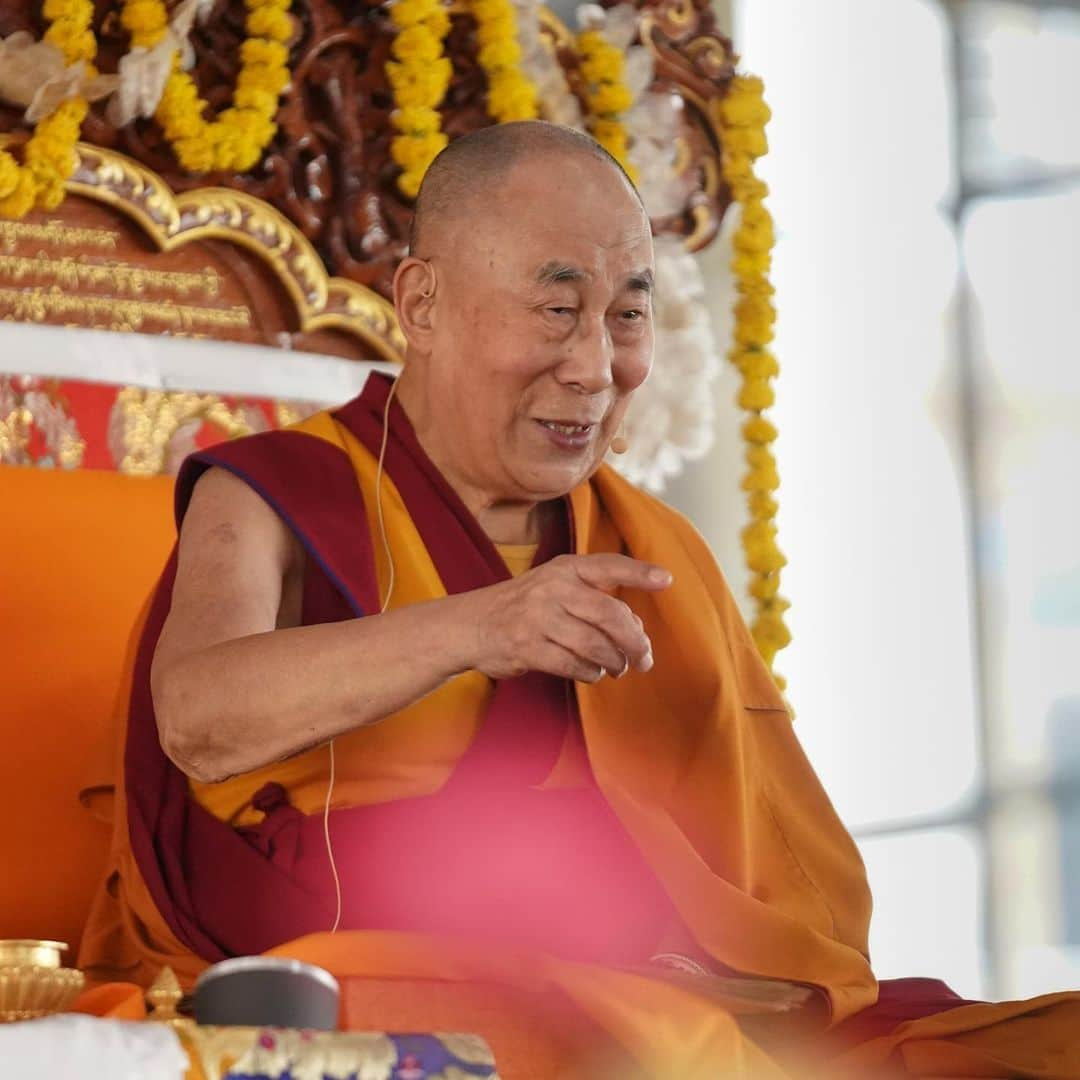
(226, 891)
(488, 854)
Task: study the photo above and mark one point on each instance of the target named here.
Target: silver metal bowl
(266, 991)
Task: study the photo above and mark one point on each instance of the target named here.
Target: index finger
(614, 571)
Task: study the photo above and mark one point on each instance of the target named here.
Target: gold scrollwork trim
(705, 222)
(22, 413)
(680, 14)
(560, 34)
(173, 220)
(701, 90)
(151, 419)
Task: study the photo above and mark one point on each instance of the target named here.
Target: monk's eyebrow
(557, 273)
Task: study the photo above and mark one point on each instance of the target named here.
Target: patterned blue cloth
(279, 1054)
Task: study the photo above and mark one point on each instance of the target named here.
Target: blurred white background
(925, 176)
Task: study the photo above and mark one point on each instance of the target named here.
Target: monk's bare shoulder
(239, 570)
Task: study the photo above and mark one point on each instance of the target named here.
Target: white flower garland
(670, 419)
(541, 66)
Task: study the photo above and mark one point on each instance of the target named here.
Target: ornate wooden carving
(329, 169)
(123, 253)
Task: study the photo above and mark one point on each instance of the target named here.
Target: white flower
(143, 72)
(33, 74)
(670, 419)
(540, 64)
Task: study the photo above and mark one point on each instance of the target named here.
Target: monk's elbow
(185, 734)
(193, 765)
(190, 753)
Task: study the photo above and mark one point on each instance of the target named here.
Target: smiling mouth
(566, 429)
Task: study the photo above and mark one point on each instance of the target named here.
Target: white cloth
(86, 1047)
(181, 363)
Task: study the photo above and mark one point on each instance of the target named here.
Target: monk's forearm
(252, 701)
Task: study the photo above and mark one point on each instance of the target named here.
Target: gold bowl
(27, 952)
(32, 982)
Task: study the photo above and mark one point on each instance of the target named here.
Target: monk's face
(542, 328)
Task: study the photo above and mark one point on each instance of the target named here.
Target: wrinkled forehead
(564, 240)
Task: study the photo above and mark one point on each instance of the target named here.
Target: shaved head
(526, 305)
(462, 179)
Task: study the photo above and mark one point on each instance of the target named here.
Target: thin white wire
(390, 579)
(329, 845)
(391, 574)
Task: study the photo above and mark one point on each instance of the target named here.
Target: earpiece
(390, 578)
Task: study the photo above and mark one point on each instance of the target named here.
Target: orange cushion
(533, 1035)
(79, 554)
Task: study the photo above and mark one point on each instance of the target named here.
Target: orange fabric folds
(698, 760)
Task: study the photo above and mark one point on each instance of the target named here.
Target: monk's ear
(414, 298)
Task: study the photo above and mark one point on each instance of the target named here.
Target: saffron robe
(700, 782)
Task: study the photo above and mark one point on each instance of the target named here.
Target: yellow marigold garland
(744, 115)
(419, 76)
(237, 138)
(511, 95)
(606, 94)
(49, 156)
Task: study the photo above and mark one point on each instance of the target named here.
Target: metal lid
(240, 964)
(32, 952)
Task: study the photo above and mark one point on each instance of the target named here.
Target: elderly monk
(424, 672)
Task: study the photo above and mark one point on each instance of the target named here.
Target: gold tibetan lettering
(42, 303)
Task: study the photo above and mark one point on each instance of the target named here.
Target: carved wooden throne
(294, 259)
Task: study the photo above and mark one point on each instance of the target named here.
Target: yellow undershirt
(518, 557)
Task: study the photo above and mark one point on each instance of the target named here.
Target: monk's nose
(589, 358)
